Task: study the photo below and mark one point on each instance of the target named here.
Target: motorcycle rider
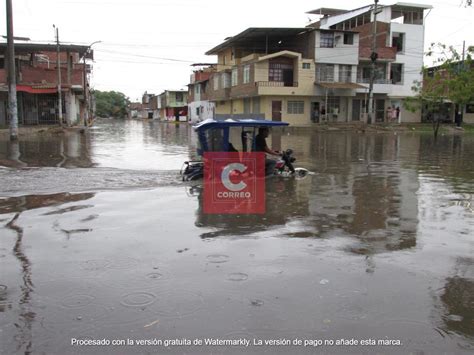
(261, 146)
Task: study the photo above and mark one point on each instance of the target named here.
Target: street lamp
(86, 99)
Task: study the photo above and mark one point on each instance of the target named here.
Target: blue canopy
(210, 123)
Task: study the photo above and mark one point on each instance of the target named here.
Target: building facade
(173, 105)
(199, 106)
(321, 73)
(37, 84)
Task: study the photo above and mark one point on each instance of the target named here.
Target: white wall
(340, 54)
(411, 58)
(206, 110)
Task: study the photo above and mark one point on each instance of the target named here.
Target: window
(396, 73)
(197, 111)
(246, 74)
(235, 73)
(216, 82)
(246, 106)
(256, 105)
(281, 70)
(470, 108)
(197, 89)
(325, 72)
(225, 80)
(348, 38)
(326, 39)
(397, 41)
(296, 107)
(333, 105)
(179, 97)
(306, 65)
(345, 73)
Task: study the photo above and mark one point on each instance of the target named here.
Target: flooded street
(100, 239)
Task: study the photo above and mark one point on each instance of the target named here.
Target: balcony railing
(276, 84)
(376, 81)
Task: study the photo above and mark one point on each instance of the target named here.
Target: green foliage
(111, 104)
(451, 80)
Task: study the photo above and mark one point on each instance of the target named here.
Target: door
(355, 110)
(276, 110)
(315, 112)
(288, 77)
(379, 110)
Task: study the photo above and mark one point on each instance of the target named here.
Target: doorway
(356, 110)
(276, 110)
(315, 112)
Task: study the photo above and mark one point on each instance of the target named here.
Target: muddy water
(100, 240)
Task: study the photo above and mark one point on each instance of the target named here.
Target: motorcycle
(194, 170)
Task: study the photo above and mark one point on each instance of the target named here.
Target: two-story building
(174, 105)
(199, 106)
(37, 83)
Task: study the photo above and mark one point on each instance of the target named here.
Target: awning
(37, 90)
(341, 85)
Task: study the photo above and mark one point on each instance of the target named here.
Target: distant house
(448, 111)
(174, 105)
(199, 106)
(37, 83)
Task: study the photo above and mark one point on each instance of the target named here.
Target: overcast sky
(148, 45)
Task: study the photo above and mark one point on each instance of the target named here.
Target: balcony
(376, 81)
(276, 84)
(384, 53)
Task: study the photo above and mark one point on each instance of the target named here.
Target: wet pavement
(101, 240)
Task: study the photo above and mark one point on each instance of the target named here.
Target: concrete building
(199, 106)
(174, 105)
(400, 46)
(321, 72)
(37, 83)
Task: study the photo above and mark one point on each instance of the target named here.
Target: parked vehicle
(214, 136)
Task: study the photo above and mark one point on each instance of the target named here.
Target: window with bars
(334, 105)
(225, 80)
(325, 72)
(295, 107)
(345, 73)
(326, 40)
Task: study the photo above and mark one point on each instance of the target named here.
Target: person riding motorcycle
(261, 146)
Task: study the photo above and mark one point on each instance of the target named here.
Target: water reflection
(286, 201)
(29, 202)
(458, 299)
(27, 316)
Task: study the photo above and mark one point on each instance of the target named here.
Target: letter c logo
(229, 185)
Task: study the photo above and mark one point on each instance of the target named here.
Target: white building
(400, 46)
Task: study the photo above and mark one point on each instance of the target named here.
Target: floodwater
(100, 240)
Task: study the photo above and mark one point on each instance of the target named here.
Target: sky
(149, 45)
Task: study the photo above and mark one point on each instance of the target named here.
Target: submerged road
(104, 250)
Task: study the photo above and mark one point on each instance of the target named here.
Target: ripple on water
(138, 299)
(95, 265)
(177, 303)
(123, 263)
(217, 258)
(77, 300)
(237, 276)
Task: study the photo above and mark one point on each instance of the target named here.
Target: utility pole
(58, 64)
(12, 102)
(373, 57)
(461, 107)
(86, 90)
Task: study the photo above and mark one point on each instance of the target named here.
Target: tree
(111, 104)
(452, 80)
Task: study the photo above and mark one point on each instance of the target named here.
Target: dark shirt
(260, 143)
